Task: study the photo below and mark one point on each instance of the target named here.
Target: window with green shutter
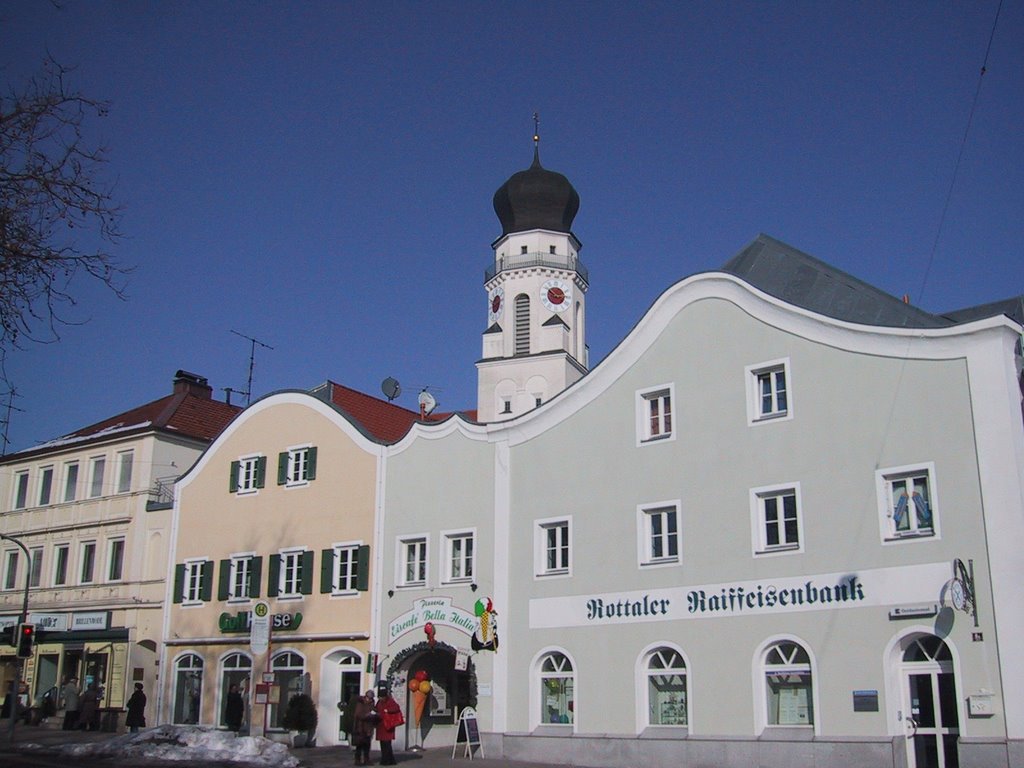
(296, 466)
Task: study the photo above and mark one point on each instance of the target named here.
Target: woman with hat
(390, 718)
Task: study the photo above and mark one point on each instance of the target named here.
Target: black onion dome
(536, 199)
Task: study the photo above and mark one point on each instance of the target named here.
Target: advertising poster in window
(793, 707)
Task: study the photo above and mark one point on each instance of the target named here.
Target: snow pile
(188, 742)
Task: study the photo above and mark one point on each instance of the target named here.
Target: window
(557, 689)
(115, 560)
(523, 249)
(125, 460)
(70, 481)
(236, 669)
(775, 515)
(346, 569)
(787, 672)
(193, 581)
(35, 574)
(291, 573)
(413, 562)
(88, 560)
(506, 405)
(11, 569)
(551, 249)
(296, 466)
(99, 466)
(45, 485)
(654, 414)
(552, 555)
(907, 502)
(240, 577)
(188, 689)
(61, 554)
(21, 490)
(665, 677)
(458, 556)
(658, 533)
(288, 669)
(768, 391)
(248, 474)
(522, 338)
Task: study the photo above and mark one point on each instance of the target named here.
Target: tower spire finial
(536, 129)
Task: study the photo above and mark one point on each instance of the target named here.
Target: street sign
(259, 637)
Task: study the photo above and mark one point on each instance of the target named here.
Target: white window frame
(21, 488)
(645, 534)
(298, 464)
(351, 567)
(46, 486)
(289, 577)
(248, 471)
(538, 694)
(402, 552)
(644, 673)
(97, 476)
(192, 583)
(66, 549)
(759, 523)
(887, 526)
(645, 435)
(125, 466)
(752, 374)
(35, 565)
(11, 559)
(761, 672)
(82, 561)
(540, 544)
(448, 539)
(111, 546)
(69, 486)
(240, 570)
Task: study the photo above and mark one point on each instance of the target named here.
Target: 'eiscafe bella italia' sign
(436, 610)
(819, 592)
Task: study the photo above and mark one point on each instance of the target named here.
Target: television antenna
(252, 361)
(13, 393)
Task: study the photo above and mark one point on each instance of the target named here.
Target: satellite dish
(427, 402)
(391, 388)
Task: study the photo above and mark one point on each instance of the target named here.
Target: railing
(539, 259)
(162, 491)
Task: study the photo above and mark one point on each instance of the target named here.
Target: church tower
(535, 343)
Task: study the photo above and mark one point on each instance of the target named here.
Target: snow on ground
(188, 742)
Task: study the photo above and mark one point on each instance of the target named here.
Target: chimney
(186, 383)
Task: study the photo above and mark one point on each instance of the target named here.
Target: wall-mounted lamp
(391, 593)
(473, 586)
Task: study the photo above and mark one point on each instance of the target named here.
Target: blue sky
(319, 175)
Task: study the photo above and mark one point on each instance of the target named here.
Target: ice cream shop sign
(435, 610)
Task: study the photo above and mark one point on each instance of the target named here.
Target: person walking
(390, 718)
(136, 710)
(89, 709)
(234, 709)
(364, 719)
(71, 694)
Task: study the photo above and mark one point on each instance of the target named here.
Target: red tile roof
(383, 420)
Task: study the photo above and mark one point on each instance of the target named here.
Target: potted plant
(300, 716)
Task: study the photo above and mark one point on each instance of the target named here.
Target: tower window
(522, 324)
(506, 406)
(551, 249)
(522, 249)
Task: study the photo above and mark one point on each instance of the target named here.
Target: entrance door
(351, 677)
(930, 706)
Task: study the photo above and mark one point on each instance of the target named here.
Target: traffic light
(26, 639)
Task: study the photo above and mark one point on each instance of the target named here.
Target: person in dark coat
(234, 709)
(88, 714)
(363, 721)
(136, 710)
(387, 708)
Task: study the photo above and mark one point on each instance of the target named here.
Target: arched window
(522, 324)
(557, 689)
(235, 669)
(666, 688)
(188, 689)
(289, 669)
(787, 670)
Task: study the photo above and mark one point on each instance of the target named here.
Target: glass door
(351, 676)
(933, 720)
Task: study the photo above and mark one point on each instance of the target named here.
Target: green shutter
(311, 464)
(326, 571)
(363, 568)
(273, 576)
(206, 590)
(179, 583)
(306, 587)
(261, 471)
(255, 574)
(224, 582)
(282, 468)
(233, 480)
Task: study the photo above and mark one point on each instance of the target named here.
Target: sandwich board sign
(468, 734)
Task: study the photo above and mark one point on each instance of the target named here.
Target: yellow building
(280, 512)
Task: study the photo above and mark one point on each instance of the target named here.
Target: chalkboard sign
(468, 734)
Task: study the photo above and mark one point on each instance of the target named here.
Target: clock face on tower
(556, 295)
(495, 304)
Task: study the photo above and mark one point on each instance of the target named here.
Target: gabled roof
(381, 420)
(1013, 308)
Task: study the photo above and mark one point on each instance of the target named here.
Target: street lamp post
(18, 663)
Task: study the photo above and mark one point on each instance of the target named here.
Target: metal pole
(18, 664)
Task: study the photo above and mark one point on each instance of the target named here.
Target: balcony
(538, 259)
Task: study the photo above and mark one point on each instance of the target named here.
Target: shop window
(45, 485)
(11, 569)
(35, 577)
(776, 519)
(345, 569)
(289, 674)
(239, 577)
(296, 466)
(87, 561)
(788, 692)
(188, 690)
(769, 392)
(193, 581)
(458, 556)
(557, 689)
(658, 533)
(20, 490)
(553, 547)
(291, 574)
(125, 460)
(115, 560)
(235, 669)
(654, 414)
(665, 688)
(71, 481)
(412, 561)
(61, 555)
(907, 502)
(99, 468)
(248, 474)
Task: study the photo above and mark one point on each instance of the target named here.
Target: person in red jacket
(390, 718)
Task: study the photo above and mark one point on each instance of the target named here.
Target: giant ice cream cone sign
(420, 688)
(486, 636)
